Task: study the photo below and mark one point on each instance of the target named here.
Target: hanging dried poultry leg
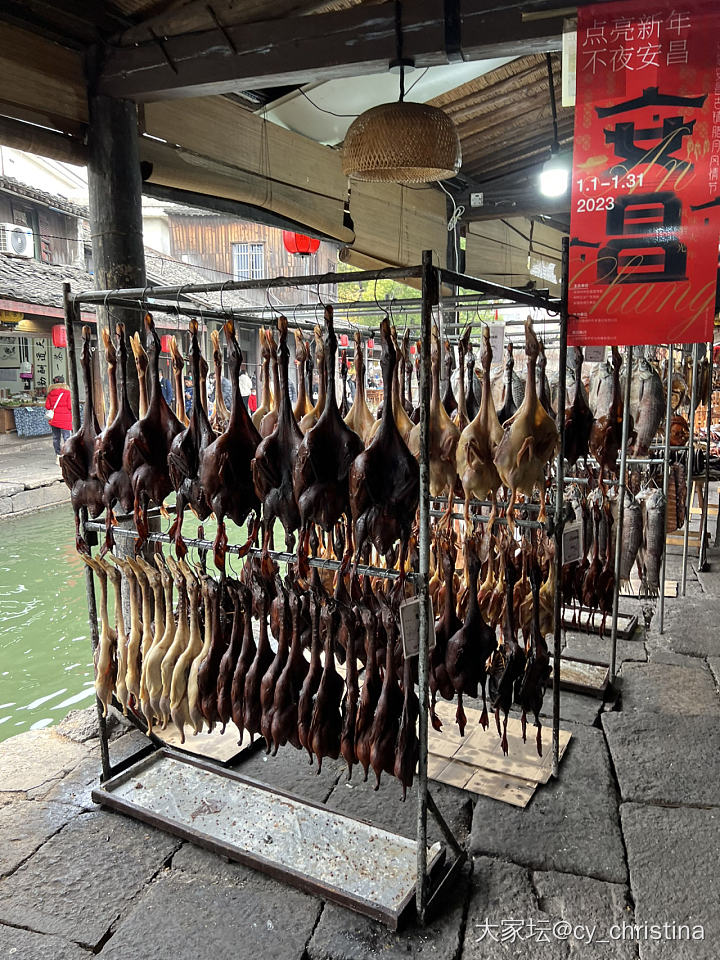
(284, 726)
(153, 664)
(121, 691)
(326, 721)
(179, 704)
(272, 675)
(252, 709)
(350, 704)
(245, 660)
(312, 678)
(230, 657)
(508, 661)
(180, 642)
(104, 657)
(209, 667)
(370, 693)
(386, 725)
(407, 748)
(532, 685)
(469, 647)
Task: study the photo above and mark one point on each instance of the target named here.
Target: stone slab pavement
(627, 838)
(29, 476)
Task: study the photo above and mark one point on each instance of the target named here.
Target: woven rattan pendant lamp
(402, 142)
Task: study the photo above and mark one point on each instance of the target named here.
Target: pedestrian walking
(166, 389)
(58, 410)
(246, 385)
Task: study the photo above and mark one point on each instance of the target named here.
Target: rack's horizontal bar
(508, 293)
(243, 320)
(280, 555)
(318, 279)
(500, 505)
(519, 522)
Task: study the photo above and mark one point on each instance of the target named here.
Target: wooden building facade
(226, 247)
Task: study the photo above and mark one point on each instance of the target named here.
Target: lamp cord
(553, 105)
(399, 46)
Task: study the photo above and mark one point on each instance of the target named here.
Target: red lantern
(59, 335)
(165, 342)
(371, 344)
(299, 243)
(343, 340)
(412, 351)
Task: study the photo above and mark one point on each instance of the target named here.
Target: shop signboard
(41, 363)
(645, 216)
(58, 360)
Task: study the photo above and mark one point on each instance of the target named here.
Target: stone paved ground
(29, 476)
(629, 834)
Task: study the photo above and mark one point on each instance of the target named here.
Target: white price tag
(410, 626)
(497, 340)
(573, 547)
(595, 354)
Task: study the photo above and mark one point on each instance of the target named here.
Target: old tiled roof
(11, 185)
(30, 281)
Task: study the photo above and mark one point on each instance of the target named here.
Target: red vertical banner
(645, 216)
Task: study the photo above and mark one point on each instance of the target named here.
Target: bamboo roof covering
(504, 118)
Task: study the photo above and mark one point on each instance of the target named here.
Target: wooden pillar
(115, 188)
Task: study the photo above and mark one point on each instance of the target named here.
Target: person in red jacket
(57, 404)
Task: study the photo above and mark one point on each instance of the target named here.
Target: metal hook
(143, 299)
(377, 302)
(222, 291)
(272, 308)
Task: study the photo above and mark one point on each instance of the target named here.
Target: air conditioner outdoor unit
(16, 240)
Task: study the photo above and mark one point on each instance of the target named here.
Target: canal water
(45, 659)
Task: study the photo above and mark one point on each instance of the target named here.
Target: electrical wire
(342, 116)
(458, 211)
(354, 116)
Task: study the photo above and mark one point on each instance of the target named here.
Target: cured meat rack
(432, 279)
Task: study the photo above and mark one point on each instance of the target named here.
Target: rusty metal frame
(428, 885)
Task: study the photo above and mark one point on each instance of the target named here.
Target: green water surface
(45, 658)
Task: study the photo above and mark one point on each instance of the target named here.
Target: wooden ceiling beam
(295, 50)
(191, 17)
(73, 23)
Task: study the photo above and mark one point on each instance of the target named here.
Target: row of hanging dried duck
(588, 583)
(354, 477)
(197, 651)
(208, 660)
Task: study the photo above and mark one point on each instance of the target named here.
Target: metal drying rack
(167, 300)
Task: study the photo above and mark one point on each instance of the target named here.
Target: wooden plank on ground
(632, 589)
(579, 622)
(223, 747)
(583, 677)
(482, 748)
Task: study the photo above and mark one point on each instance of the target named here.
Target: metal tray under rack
(337, 857)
